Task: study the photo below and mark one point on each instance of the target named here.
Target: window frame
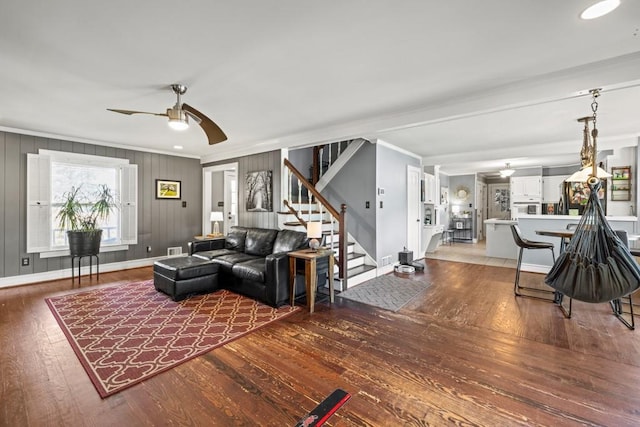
(40, 203)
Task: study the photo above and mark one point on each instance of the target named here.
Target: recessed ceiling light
(178, 147)
(599, 9)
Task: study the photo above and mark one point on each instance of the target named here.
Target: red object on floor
(128, 333)
(325, 409)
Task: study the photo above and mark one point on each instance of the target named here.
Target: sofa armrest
(205, 245)
(277, 278)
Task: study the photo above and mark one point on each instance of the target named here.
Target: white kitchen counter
(540, 261)
(500, 243)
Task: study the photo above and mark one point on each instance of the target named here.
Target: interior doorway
(498, 201)
(220, 193)
(414, 225)
(481, 209)
(230, 199)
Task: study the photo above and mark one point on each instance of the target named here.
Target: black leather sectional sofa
(253, 261)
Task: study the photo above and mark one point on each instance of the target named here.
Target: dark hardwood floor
(466, 352)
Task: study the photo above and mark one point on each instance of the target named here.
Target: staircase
(305, 204)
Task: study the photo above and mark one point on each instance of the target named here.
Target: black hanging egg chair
(596, 265)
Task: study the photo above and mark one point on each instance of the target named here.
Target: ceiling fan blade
(213, 132)
(130, 112)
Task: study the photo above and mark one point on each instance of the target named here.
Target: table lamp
(314, 232)
(215, 217)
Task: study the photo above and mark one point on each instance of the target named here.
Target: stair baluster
(339, 216)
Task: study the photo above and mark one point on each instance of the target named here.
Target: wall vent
(174, 251)
(386, 260)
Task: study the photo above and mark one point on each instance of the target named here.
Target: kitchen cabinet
(552, 188)
(526, 188)
(621, 184)
(429, 188)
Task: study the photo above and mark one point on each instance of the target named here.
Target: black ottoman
(181, 277)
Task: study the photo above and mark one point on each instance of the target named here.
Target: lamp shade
(583, 174)
(314, 230)
(216, 216)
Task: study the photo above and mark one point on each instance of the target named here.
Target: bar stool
(447, 236)
(523, 244)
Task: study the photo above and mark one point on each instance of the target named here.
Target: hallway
(470, 253)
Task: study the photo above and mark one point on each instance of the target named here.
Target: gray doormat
(388, 292)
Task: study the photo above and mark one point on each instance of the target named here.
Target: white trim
(65, 252)
(535, 268)
(207, 202)
(395, 148)
(83, 159)
(94, 142)
(25, 279)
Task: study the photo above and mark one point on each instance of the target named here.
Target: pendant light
(588, 153)
(507, 172)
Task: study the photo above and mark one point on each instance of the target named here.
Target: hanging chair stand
(596, 266)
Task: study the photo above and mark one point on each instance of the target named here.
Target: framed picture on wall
(168, 189)
(259, 190)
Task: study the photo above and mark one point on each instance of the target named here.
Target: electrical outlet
(25, 262)
(184, 204)
(366, 204)
(148, 248)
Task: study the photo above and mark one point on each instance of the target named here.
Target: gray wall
(257, 162)
(355, 185)
(161, 223)
(391, 173)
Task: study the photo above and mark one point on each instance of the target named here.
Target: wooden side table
(310, 258)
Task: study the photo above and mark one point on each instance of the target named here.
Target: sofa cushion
(260, 241)
(181, 268)
(289, 240)
(213, 253)
(226, 262)
(250, 270)
(235, 240)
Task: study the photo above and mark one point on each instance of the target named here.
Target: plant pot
(83, 243)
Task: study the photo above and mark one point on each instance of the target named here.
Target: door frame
(414, 225)
(207, 202)
(228, 219)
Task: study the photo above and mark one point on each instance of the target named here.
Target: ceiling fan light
(178, 124)
(599, 9)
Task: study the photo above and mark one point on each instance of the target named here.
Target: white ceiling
(465, 84)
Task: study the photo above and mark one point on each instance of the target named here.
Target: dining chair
(523, 244)
(565, 240)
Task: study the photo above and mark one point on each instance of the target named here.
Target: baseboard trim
(381, 271)
(535, 268)
(25, 279)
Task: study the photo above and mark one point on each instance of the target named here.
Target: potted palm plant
(80, 215)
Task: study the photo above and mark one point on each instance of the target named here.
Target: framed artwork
(167, 189)
(444, 195)
(259, 189)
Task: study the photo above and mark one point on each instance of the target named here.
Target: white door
(230, 199)
(414, 225)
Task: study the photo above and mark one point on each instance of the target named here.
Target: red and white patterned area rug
(127, 333)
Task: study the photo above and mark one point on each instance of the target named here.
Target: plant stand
(79, 258)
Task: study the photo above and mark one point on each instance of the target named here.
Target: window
(50, 174)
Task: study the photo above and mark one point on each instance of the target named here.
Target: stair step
(297, 223)
(357, 270)
(304, 212)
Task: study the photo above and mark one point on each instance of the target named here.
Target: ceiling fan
(179, 117)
